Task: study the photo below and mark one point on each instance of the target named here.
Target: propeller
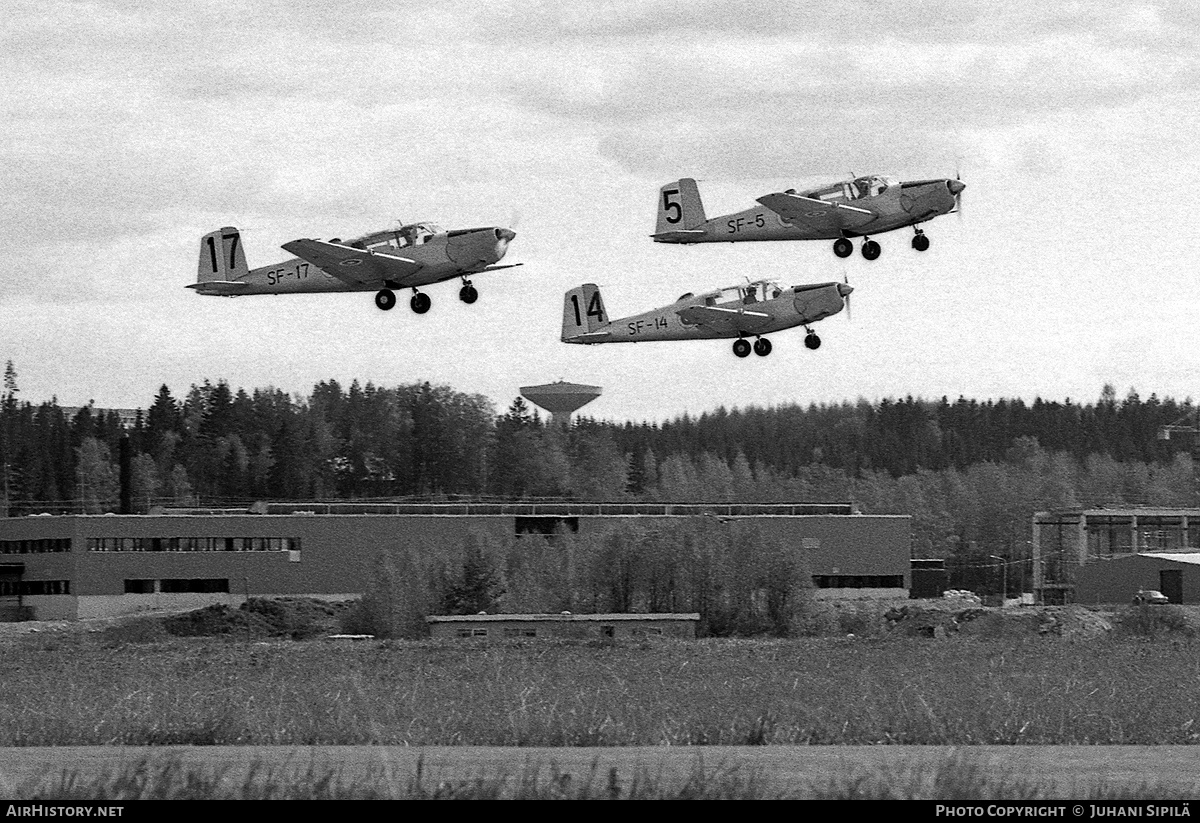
(844, 290)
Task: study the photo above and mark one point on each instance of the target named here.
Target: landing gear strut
(920, 242)
(385, 299)
(870, 249)
(843, 247)
(762, 347)
(741, 347)
(420, 303)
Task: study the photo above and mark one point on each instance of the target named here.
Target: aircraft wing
(355, 266)
(494, 268)
(723, 319)
(817, 215)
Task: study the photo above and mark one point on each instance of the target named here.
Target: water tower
(560, 399)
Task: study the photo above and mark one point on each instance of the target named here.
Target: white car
(1150, 597)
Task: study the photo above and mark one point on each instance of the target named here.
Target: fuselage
(894, 207)
(442, 256)
(784, 307)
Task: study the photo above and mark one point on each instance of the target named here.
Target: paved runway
(1061, 771)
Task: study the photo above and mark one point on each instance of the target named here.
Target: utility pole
(1003, 566)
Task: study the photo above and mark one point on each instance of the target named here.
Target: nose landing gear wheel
(741, 347)
(843, 247)
(468, 294)
(811, 341)
(385, 299)
(920, 242)
(762, 347)
(420, 303)
(870, 249)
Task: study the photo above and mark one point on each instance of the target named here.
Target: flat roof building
(71, 566)
(563, 626)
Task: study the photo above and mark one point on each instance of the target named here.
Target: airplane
(753, 309)
(406, 257)
(852, 208)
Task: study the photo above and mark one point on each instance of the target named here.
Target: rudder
(221, 256)
(679, 207)
(583, 311)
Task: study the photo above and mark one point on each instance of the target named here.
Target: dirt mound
(294, 617)
(941, 618)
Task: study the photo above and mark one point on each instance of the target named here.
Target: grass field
(91, 690)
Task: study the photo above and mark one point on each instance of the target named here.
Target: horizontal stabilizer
(219, 287)
(681, 235)
(590, 337)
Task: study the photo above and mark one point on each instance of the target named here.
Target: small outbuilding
(1118, 579)
(564, 626)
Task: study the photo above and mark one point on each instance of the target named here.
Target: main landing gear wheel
(843, 247)
(811, 341)
(920, 242)
(762, 347)
(385, 299)
(468, 294)
(420, 303)
(870, 249)
(741, 347)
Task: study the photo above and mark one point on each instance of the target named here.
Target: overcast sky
(130, 129)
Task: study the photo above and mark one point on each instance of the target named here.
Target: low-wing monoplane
(405, 257)
(852, 208)
(753, 309)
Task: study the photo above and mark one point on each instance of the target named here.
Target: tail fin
(221, 257)
(583, 311)
(679, 207)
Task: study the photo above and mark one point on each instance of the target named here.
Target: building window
(195, 585)
(44, 587)
(139, 586)
(166, 544)
(608, 631)
(44, 546)
(858, 581)
(478, 632)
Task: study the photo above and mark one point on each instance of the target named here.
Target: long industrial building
(76, 566)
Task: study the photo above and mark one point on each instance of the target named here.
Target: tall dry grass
(960, 692)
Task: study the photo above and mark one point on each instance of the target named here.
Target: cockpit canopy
(412, 234)
(745, 294)
(856, 189)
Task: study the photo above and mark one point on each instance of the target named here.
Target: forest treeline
(971, 473)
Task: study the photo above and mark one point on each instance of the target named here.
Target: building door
(1170, 583)
(10, 590)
